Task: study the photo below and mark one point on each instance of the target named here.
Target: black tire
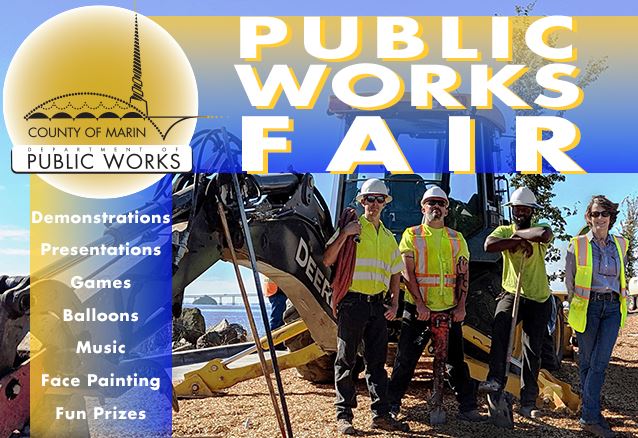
(485, 287)
(631, 303)
(559, 332)
(320, 370)
(553, 349)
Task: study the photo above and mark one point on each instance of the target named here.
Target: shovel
(500, 403)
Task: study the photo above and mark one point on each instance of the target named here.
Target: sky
(20, 18)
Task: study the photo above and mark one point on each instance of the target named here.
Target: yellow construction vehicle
(290, 222)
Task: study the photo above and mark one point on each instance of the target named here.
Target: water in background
(213, 314)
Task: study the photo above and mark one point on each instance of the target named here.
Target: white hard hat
(374, 186)
(523, 196)
(434, 192)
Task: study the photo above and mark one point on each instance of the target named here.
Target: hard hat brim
(447, 201)
(521, 204)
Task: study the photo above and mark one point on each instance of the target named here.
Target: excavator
(289, 222)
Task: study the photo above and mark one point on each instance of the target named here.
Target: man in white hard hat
(361, 315)
(435, 258)
(530, 240)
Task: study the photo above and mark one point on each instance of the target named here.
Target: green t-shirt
(535, 284)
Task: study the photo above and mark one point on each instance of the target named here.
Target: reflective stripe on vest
(429, 268)
(583, 278)
(622, 245)
(584, 266)
(375, 260)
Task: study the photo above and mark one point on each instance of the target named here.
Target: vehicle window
(465, 212)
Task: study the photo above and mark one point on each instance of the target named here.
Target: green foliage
(525, 10)
(528, 89)
(629, 230)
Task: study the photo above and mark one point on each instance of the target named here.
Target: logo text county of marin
(101, 91)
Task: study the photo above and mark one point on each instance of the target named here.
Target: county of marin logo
(135, 108)
(96, 81)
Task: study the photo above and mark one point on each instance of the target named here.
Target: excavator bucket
(218, 374)
(553, 392)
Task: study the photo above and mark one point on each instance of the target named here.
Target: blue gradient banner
(101, 313)
(601, 117)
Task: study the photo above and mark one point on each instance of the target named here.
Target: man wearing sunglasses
(361, 315)
(522, 239)
(435, 258)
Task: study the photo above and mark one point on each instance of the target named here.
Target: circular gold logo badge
(100, 75)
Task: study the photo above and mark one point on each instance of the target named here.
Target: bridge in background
(233, 299)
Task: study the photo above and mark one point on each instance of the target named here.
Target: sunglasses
(439, 202)
(596, 214)
(380, 199)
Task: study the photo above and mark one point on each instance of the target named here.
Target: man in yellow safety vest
(361, 315)
(434, 256)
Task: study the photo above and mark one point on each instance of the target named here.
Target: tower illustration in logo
(76, 81)
(135, 108)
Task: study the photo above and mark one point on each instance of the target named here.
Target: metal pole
(260, 295)
(251, 320)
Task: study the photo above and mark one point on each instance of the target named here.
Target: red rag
(344, 266)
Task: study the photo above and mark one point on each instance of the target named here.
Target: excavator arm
(289, 223)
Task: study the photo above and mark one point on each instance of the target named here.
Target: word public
(399, 39)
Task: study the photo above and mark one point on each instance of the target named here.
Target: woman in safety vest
(597, 288)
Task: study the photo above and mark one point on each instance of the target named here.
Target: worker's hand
(391, 311)
(526, 247)
(423, 313)
(352, 228)
(458, 314)
(462, 266)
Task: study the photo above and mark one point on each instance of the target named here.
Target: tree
(528, 89)
(629, 230)
(543, 188)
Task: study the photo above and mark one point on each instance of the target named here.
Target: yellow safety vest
(378, 258)
(436, 273)
(582, 281)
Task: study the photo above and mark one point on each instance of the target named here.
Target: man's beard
(523, 222)
(434, 215)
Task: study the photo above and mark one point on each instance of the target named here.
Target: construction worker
(597, 289)
(530, 240)
(433, 255)
(277, 299)
(361, 315)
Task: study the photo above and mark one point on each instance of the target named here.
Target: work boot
(344, 427)
(472, 416)
(597, 429)
(489, 387)
(530, 412)
(390, 424)
(604, 423)
(394, 412)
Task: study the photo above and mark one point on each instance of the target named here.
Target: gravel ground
(245, 410)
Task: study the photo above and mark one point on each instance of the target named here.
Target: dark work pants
(359, 321)
(534, 316)
(411, 346)
(277, 309)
